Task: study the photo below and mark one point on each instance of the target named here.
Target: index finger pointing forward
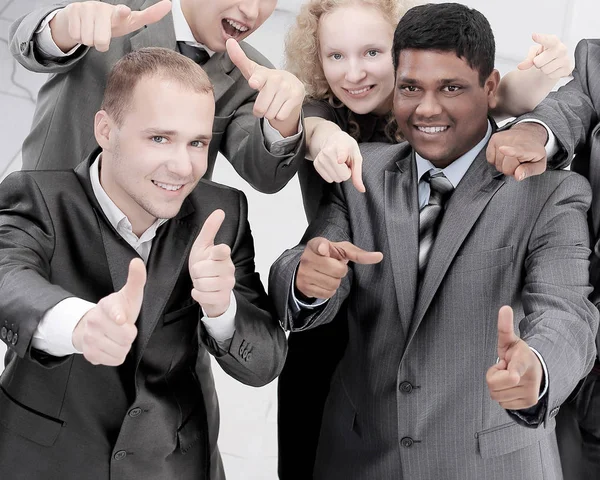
(546, 40)
(239, 58)
(206, 237)
(357, 255)
(149, 15)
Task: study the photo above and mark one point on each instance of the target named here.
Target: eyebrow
(443, 81)
(173, 133)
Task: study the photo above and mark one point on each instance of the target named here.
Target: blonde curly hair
(302, 49)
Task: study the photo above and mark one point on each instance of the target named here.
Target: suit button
(120, 455)
(135, 412)
(3, 333)
(23, 47)
(406, 387)
(9, 336)
(407, 442)
(249, 356)
(15, 339)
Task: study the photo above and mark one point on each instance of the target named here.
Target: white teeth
(166, 186)
(432, 129)
(358, 92)
(237, 26)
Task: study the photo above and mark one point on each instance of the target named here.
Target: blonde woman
(341, 50)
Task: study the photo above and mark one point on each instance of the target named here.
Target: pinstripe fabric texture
(409, 398)
(431, 214)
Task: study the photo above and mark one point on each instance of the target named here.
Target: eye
(372, 53)
(197, 144)
(159, 139)
(407, 89)
(336, 56)
(452, 88)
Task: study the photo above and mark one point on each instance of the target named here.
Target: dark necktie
(431, 215)
(197, 54)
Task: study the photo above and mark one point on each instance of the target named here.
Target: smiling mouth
(234, 28)
(432, 130)
(167, 186)
(359, 91)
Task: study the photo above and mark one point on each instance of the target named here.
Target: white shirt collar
(457, 169)
(183, 32)
(114, 214)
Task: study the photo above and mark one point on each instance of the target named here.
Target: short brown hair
(147, 62)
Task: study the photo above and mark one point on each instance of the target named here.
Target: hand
(95, 23)
(519, 151)
(323, 265)
(105, 333)
(339, 160)
(514, 382)
(280, 94)
(550, 56)
(211, 268)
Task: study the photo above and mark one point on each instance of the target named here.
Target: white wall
(248, 435)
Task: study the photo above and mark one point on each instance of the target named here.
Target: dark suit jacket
(62, 128)
(409, 398)
(64, 418)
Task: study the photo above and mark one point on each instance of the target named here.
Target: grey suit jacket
(156, 416)
(62, 129)
(409, 398)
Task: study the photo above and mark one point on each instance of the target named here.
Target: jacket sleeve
(560, 322)
(23, 47)
(331, 223)
(258, 347)
(26, 248)
(571, 112)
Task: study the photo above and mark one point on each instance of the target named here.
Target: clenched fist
(105, 333)
(211, 268)
(324, 264)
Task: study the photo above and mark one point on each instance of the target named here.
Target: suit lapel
(159, 34)
(402, 224)
(219, 68)
(466, 204)
(168, 257)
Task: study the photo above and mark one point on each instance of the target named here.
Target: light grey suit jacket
(409, 398)
(62, 130)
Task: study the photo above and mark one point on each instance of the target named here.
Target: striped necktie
(197, 54)
(431, 215)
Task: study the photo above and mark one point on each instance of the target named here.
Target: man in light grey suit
(567, 123)
(257, 117)
(437, 381)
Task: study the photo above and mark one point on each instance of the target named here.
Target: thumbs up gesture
(211, 268)
(323, 264)
(94, 23)
(106, 332)
(550, 56)
(514, 382)
(280, 94)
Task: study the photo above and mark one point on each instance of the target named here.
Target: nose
(356, 71)
(180, 165)
(428, 106)
(249, 9)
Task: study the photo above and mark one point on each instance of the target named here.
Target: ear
(102, 129)
(491, 87)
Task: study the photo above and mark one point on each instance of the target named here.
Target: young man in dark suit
(117, 278)
(469, 323)
(258, 109)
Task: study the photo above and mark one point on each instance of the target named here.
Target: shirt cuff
(45, 43)
(551, 146)
(54, 334)
(297, 305)
(276, 143)
(222, 328)
(545, 375)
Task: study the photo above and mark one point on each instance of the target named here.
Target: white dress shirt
(55, 331)
(274, 141)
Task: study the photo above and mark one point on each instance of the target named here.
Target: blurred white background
(248, 415)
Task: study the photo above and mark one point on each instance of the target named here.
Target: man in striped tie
(465, 290)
